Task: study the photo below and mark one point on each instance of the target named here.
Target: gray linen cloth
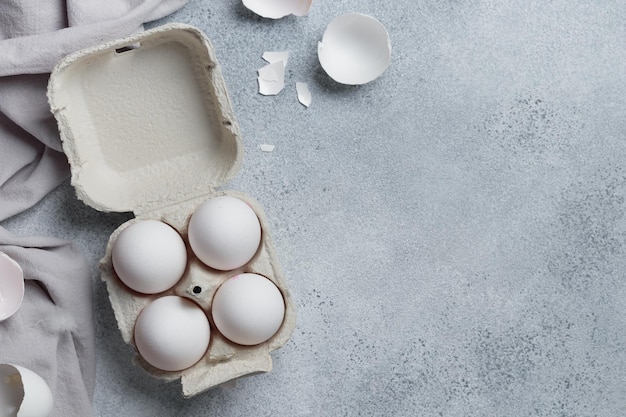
(53, 332)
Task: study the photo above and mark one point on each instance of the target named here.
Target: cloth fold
(36, 49)
(53, 332)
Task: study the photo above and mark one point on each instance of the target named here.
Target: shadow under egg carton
(224, 360)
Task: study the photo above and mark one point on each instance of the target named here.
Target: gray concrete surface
(453, 233)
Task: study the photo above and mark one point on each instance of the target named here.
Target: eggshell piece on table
(304, 94)
(271, 78)
(149, 256)
(275, 9)
(23, 393)
(172, 333)
(355, 49)
(248, 309)
(275, 56)
(11, 286)
(224, 233)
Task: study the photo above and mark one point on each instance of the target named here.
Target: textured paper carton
(148, 127)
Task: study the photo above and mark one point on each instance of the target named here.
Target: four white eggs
(172, 333)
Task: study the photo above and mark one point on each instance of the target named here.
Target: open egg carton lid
(145, 121)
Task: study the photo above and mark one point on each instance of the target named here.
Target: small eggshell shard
(172, 333)
(275, 9)
(149, 256)
(23, 393)
(266, 147)
(272, 78)
(276, 56)
(248, 309)
(224, 233)
(11, 286)
(355, 49)
(304, 95)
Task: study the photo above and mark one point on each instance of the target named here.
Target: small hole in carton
(197, 290)
(127, 48)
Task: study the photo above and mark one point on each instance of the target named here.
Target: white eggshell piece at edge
(224, 233)
(149, 256)
(355, 49)
(23, 393)
(275, 9)
(248, 309)
(172, 333)
(11, 286)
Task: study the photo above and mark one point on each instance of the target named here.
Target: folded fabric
(37, 33)
(32, 162)
(53, 332)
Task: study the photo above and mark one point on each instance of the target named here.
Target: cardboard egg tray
(148, 127)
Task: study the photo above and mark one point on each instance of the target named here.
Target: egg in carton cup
(148, 127)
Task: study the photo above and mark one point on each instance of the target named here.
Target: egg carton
(148, 128)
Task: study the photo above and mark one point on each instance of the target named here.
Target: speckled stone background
(453, 233)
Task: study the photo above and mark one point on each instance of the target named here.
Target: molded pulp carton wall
(147, 126)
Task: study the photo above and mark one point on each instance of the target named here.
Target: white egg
(275, 9)
(248, 309)
(11, 286)
(23, 393)
(355, 49)
(172, 333)
(224, 233)
(149, 256)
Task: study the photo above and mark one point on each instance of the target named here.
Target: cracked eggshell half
(11, 286)
(275, 9)
(355, 49)
(23, 393)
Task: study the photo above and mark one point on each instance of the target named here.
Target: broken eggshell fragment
(271, 78)
(275, 56)
(11, 286)
(355, 49)
(23, 393)
(304, 94)
(275, 9)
